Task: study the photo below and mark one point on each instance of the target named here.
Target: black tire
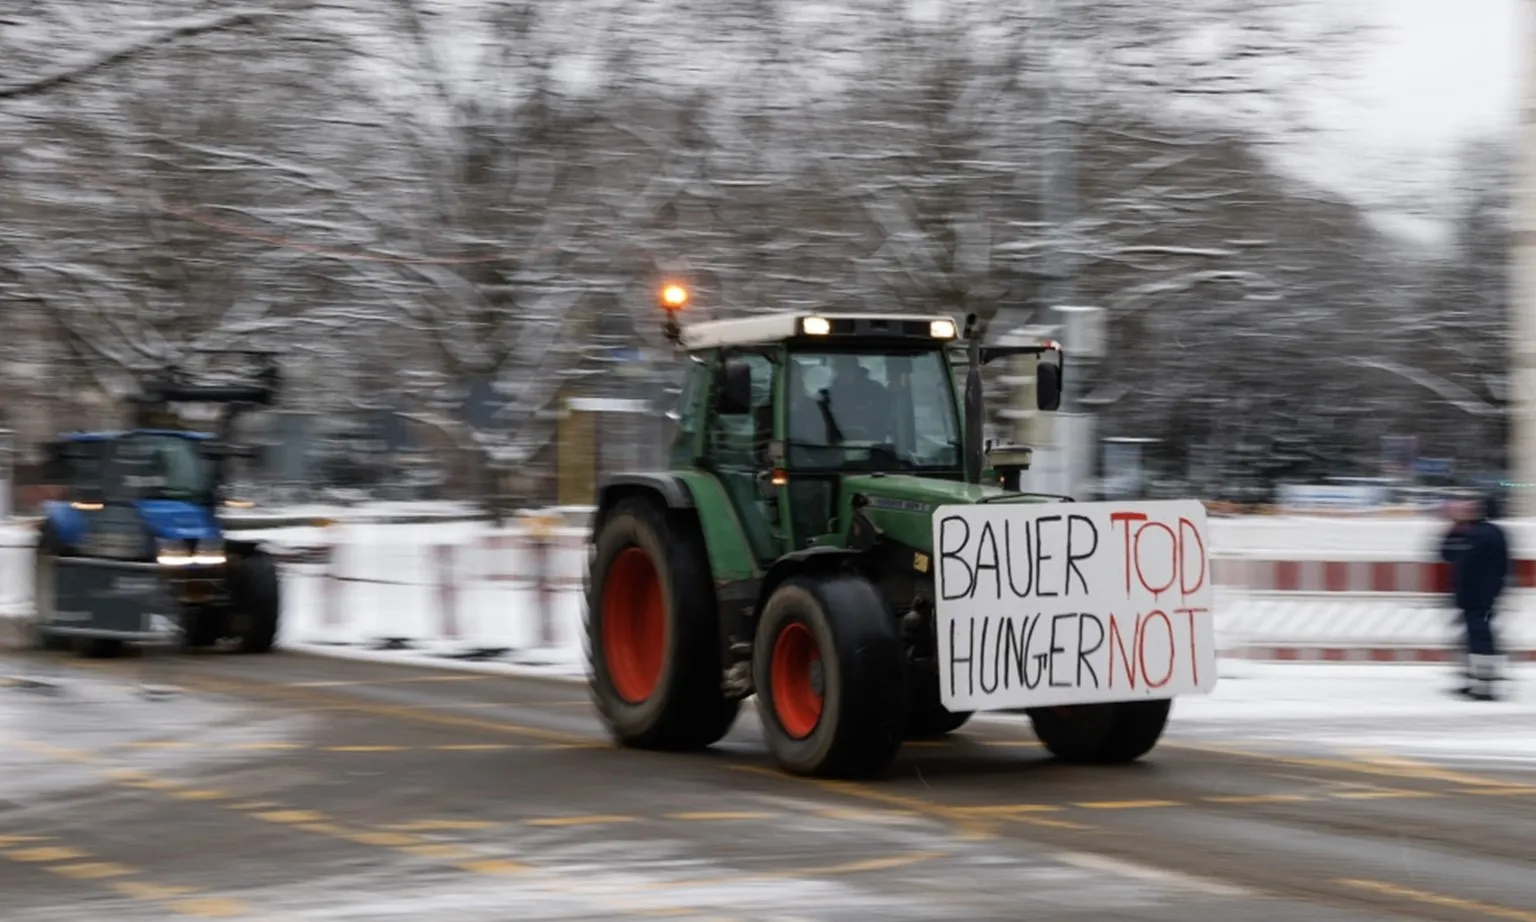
(653, 634)
(48, 547)
(255, 600)
(929, 718)
(860, 716)
(1102, 734)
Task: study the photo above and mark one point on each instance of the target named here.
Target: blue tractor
(135, 549)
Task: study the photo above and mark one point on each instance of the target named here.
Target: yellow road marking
(325, 829)
(864, 816)
(1369, 764)
(882, 863)
(1049, 824)
(1439, 899)
(586, 745)
(363, 748)
(397, 712)
(1126, 804)
(160, 744)
(209, 908)
(476, 747)
(141, 890)
(969, 828)
(198, 794)
(494, 866)
(706, 816)
(441, 851)
(382, 839)
(46, 853)
(1006, 809)
(7, 841)
(595, 820)
(1257, 798)
(258, 747)
(1511, 791)
(90, 870)
(442, 825)
(256, 805)
(1383, 794)
(290, 816)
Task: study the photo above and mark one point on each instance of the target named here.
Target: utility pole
(1522, 369)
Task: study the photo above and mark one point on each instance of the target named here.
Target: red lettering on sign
(1194, 654)
(1119, 643)
(1141, 648)
(1127, 517)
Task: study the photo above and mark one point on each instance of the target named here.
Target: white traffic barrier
(472, 590)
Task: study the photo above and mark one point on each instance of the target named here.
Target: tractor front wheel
(255, 601)
(832, 689)
(652, 638)
(930, 719)
(1102, 734)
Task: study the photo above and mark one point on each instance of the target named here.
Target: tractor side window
(739, 440)
(737, 444)
(688, 412)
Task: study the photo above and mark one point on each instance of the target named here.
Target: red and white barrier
(469, 590)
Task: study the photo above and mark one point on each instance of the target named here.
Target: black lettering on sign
(1084, 651)
(970, 650)
(997, 655)
(1073, 557)
(1040, 556)
(986, 549)
(948, 553)
(1029, 574)
(1055, 650)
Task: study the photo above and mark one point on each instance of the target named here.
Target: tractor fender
(65, 522)
(669, 488)
(811, 560)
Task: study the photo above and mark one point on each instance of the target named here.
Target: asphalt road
(297, 788)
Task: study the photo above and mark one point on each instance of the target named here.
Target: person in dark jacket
(1478, 553)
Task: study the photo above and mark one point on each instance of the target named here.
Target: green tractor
(789, 553)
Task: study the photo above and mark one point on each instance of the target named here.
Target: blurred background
(1275, 236)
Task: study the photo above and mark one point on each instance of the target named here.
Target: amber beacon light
(673, 297)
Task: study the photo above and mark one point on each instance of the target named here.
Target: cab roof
(836, 328)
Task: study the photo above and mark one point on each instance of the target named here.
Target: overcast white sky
(1441, 71)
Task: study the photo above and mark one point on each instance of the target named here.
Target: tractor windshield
(152, 466)
(891, 410)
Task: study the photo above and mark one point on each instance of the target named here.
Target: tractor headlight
(205, 553)
(209, 553)
(170, 553)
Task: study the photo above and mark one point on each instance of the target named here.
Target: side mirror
(1047, 386)
(735, 395)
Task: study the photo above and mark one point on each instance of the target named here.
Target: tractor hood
(175, 520)
(902, 505)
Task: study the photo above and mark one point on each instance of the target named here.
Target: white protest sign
(1045, 604)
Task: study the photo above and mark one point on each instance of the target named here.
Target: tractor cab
(786, 408)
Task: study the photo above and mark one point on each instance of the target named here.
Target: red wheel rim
(797, 698)
(634, 626)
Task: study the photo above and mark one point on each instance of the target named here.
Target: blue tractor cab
(135, 550)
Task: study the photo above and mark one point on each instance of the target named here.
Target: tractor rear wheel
(1102, 734)
(832, 689)
(255, 597)
(653, 642)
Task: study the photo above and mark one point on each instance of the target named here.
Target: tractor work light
(942, 329)
(816, 326)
